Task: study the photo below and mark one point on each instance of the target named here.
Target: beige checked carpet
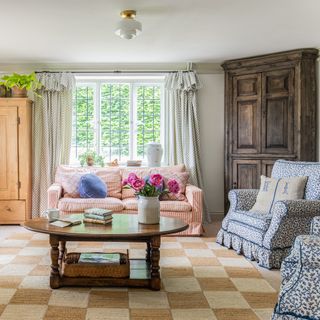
(200, 280)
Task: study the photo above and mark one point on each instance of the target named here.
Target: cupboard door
(9, 153)
(278, 111)
(246, 174)
(266, 167)
(246, 113)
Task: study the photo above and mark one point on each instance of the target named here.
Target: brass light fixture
(128, 28)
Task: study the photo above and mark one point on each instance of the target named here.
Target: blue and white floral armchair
(267, 238)
(299, 296)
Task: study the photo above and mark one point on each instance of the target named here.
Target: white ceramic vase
(154, 154)
(148, 210)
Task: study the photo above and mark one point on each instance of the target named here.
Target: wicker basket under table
(71, 267)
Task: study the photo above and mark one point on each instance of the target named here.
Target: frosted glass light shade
(128, 28)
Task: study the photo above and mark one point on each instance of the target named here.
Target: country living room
(159, 160)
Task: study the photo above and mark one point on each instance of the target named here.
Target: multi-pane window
(116, 119)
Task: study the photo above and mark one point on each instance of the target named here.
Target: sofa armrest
(54, 194)
(195, 198)
(290, 218)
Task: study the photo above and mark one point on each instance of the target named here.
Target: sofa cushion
(80, 204)
(171, 206)
(69, 178)
(92, 186)
(112, 178)
(283, 168)
(182, 178)
(143, 172)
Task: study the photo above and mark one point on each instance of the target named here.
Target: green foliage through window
(118, 123)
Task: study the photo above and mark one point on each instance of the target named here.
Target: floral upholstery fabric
(269, 238)
(315, 226)
(283, 169)
(299, 296)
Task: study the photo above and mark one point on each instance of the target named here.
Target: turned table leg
(155, 259)
(148, 252)
(62, 251)
(54, 275)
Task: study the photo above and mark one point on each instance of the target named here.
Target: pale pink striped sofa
(62, 194)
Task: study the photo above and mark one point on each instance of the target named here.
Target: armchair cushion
(255, 220)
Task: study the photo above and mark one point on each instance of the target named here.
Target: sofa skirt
(265, 257)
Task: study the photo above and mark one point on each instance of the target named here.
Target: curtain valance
(182, 80)
(57, 81)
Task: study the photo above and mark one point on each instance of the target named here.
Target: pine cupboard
(15, 160)
(270, 114)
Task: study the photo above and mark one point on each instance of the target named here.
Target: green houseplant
(20, 84)
(91, 158)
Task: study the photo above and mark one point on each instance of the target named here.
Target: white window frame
(134, 81)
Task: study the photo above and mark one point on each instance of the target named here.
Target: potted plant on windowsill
(148, 191)
(20, 84)
(91, 158)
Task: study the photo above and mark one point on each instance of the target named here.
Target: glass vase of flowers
(149, 190)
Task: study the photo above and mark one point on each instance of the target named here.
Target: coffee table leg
(155, 258)
(148, 252)
(54, 275)
(62, 251)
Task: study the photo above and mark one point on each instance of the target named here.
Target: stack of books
(97, 215)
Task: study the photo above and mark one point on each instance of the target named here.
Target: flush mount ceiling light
(128, 27)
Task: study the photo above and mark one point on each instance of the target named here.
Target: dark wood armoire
(270, 114)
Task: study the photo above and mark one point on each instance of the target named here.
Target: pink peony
(132, 176)
(156, 180)
(124, 182)
(173, 186)
(137, 184)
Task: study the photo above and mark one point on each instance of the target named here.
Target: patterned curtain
(52, 128)
(181, 123)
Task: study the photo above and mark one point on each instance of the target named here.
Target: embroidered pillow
(273, 190)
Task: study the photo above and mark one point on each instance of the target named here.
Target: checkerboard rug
(200, 280)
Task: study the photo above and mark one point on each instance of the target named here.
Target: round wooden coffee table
(124, 227)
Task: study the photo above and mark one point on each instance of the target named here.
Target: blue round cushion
(91, 186)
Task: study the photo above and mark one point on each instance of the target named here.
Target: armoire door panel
(277, 122)
(246, 174)
(9, 153)
(278, 82)
(247, 86)
(277, 112)
(266, 167)
(246, 114)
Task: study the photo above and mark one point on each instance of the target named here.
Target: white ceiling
(81, 31)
